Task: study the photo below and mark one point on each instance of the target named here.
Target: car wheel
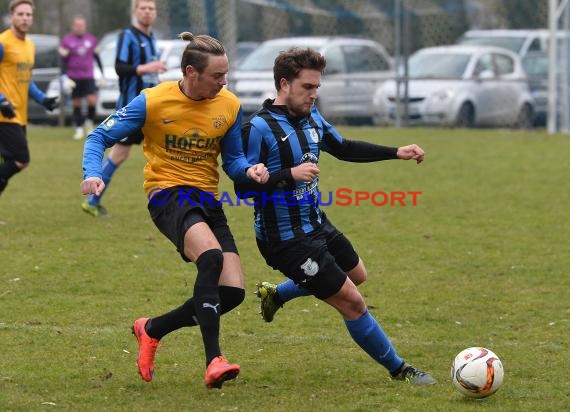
(525, 118)
(466, 115)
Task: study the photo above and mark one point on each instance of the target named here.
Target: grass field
(483, 259)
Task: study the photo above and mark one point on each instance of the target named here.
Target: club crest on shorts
(310, 267)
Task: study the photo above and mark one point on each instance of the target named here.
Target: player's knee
(358, 275)
(356, 304)
(230, 297)
(350, 302)
(210, 264)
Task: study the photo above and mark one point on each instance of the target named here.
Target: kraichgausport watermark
(306, 196)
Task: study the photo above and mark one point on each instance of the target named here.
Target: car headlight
(444, 94)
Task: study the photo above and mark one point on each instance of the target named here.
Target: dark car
(46, 68)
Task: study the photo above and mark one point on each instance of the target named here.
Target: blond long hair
(198, 49)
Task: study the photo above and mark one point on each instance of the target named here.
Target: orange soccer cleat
(147, 349)
(220, 370)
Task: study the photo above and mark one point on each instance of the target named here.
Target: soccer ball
(477, 372)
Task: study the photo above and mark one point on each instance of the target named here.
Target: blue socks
(289, 290)
(368, 334)
(365, 331)
(107, 170)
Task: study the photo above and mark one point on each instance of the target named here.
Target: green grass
(483, 259)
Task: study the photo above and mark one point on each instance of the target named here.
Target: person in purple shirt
(78, 51)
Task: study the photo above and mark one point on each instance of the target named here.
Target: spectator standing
(78, 51)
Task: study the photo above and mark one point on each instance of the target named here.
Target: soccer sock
(91, 113)
(207, 300)
(107, 170)
(185, 315)
(77, 117)
(290, 290)
(368, 334)
(8, 168)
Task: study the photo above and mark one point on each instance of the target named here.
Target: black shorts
(173, 215)
(83, 87)
(13, 142)
(317, 262)
(136, 138)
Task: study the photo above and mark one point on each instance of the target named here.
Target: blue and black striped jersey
(134, 48)
(280, 142)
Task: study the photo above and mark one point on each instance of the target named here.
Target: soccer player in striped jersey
(293, 233)
(138, 65)
(181, 176)
(16, 85)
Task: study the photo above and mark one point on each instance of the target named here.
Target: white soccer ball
(477, 372)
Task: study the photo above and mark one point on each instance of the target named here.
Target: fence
(402, 26)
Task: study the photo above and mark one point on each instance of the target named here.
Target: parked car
(170, 52)
(518, 41)
(536, 67)
(355, 68)
(46, 68)
(521, 42)
(243, 49)
(461, 86)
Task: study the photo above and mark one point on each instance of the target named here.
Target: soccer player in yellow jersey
(186, 125)
(16, 63)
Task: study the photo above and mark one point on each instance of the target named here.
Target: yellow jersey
(183, 137)
(16, 73)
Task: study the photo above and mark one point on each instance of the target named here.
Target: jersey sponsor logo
(310, 267)
(122, 112)
(172, 142)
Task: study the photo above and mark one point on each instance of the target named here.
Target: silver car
(461, 86)
(355, 68)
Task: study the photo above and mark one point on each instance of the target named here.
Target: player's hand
(92, 186)
(305, 172)
(101, 82)
(67, 85)
(63, 52)
(409, 152)
(50, 103)
(7, 109)
(157, 66)
(258, 173)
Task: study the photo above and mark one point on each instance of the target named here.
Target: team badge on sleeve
(109, 122)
